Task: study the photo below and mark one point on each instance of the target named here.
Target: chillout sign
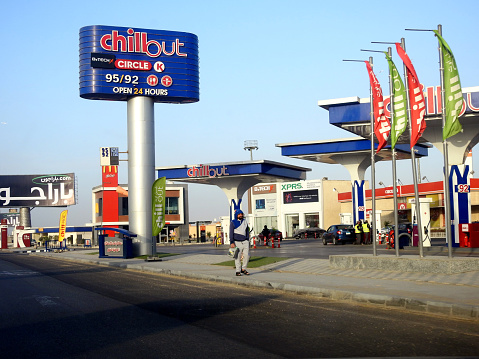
(117, 63)
(433, 99)
(207, 171)
(138, 42)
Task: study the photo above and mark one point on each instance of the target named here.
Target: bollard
(272, 242)
(315, 235)
(265, 239)
(305, 235)
(254, 242)
(279, 242)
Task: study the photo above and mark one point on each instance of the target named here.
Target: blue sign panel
(117, 63)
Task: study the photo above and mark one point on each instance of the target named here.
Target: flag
(381, 123)
(416, 98)
(63, 225)
(399, 107)
(158, 199)
(452, 90)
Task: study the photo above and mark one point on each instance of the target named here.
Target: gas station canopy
(329, 150)
(214, 173)
(234, 178)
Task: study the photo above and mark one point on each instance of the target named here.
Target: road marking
(45, 300)
(17, 272)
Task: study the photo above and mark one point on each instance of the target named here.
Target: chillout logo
(432, 96)
(207, 171)
(138, 42)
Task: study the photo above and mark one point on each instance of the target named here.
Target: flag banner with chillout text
(63, 225)
(416, 97)
(381, 123)
(399, 107)
(452, 90)
(158, 200)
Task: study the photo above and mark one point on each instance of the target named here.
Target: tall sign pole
(141, 170)
(141, 67)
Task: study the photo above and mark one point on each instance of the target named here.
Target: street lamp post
(250, 145)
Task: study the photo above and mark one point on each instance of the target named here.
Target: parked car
(312, 232)
(339, 234)
(405, 232)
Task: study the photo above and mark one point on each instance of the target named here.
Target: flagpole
(373, 171)
(373, 232)
(393, 147)
(373, 174)
(447, 199)
(413, 161)
(391, 103)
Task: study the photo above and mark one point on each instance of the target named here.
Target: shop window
(100, 207)
(260, 222)
(260, 204)
(312, 220)
(171, 205)
(123, 206)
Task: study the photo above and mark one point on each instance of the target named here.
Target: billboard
(48, 190)
(117, 63)
(310, 195)
(13, 218)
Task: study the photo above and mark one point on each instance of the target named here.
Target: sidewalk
(454, 295)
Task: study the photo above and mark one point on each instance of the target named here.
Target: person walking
(265, 233)
(367, 232)
(358, 229)
(239, 238)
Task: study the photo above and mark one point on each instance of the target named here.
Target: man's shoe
(238, 274)
(244, 272)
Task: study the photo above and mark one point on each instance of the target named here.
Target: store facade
(290, 206)
(176, 210)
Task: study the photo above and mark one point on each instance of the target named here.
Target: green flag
(158, 199)
(452, 90)
(399, 107)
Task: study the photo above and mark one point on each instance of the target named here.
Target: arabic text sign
(37, 190)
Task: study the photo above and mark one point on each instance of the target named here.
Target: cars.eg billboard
(117, 63)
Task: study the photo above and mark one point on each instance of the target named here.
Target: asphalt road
(52, 308)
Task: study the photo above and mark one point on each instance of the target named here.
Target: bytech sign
(117, 63)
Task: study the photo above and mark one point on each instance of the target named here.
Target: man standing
(358, 229)
(239, 238)
(367, 234)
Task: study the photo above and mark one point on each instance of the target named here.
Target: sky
(264, 65)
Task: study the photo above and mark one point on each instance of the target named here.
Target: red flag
(382, 127)
(416, 97)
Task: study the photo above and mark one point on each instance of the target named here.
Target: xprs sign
(117, 63)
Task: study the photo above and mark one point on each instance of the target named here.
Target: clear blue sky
(263, 67)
